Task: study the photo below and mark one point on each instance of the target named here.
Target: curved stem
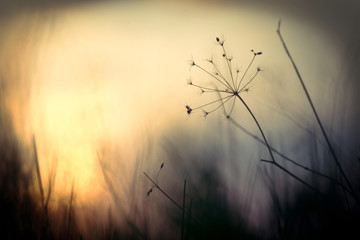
(287, 158)
(259, 127)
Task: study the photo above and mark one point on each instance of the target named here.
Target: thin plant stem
(259, 127)
(163, 192)
(221, 105)
(168, 197)
(183, 212)
(244, 87)
(270, 151)
(236, 124)
(227, 85)
(37, 165)
(247, 69)
(109, 184)
(188, 221)
(44, 202)
(208, 89)
(228, 64)
(218, 71)
(316, 115)
(232, 107)
(70, 210)
(215, 101)
(293, 175)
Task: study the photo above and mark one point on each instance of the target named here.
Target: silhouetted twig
(163, 192)
(233, 89)
(38, 173)
(291, 174)
(183, 212)
(287, 158)
(337, 162)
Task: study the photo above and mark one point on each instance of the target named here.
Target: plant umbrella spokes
(227, 88)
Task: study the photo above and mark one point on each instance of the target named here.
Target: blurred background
(93, 94)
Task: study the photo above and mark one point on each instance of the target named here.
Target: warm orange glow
(109, 75)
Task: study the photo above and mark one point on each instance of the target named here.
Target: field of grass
(233, 175)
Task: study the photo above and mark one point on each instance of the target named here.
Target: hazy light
(95, 81)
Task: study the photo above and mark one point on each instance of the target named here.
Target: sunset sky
(105, 79)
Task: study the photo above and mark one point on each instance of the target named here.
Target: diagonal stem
(227, 85)
(229, 65)
(162, 191)
(287, 158)
(293, 175)
(259, 127)
(316, 115)
(38, 172)
(247, 69)
(212, 102)
(170, 198)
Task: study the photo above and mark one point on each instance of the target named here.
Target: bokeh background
(100, 87)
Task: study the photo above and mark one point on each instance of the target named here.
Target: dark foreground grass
(335, 192)
(195, 202)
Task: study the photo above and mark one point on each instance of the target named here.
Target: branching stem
(337, 162)
(259, 127)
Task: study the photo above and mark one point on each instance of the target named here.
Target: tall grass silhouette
(196, 200)
(227, 89)
(206, 211)
(332, 151)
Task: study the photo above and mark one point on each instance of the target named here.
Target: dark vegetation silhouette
(206, 210)
(17, 205)
(195, 200)
(330, 210)
(24, 204)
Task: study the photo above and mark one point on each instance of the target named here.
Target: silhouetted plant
(228, 90)
(332, 151)
(231, 88)
(225, 88)
(155, 185)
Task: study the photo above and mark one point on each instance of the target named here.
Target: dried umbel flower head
(228, 88)
(228, 85)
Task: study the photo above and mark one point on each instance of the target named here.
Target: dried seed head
(150, 191)
(189, 81)
(191, 62)
(205, 113)
(188, 109)
(220, 42)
